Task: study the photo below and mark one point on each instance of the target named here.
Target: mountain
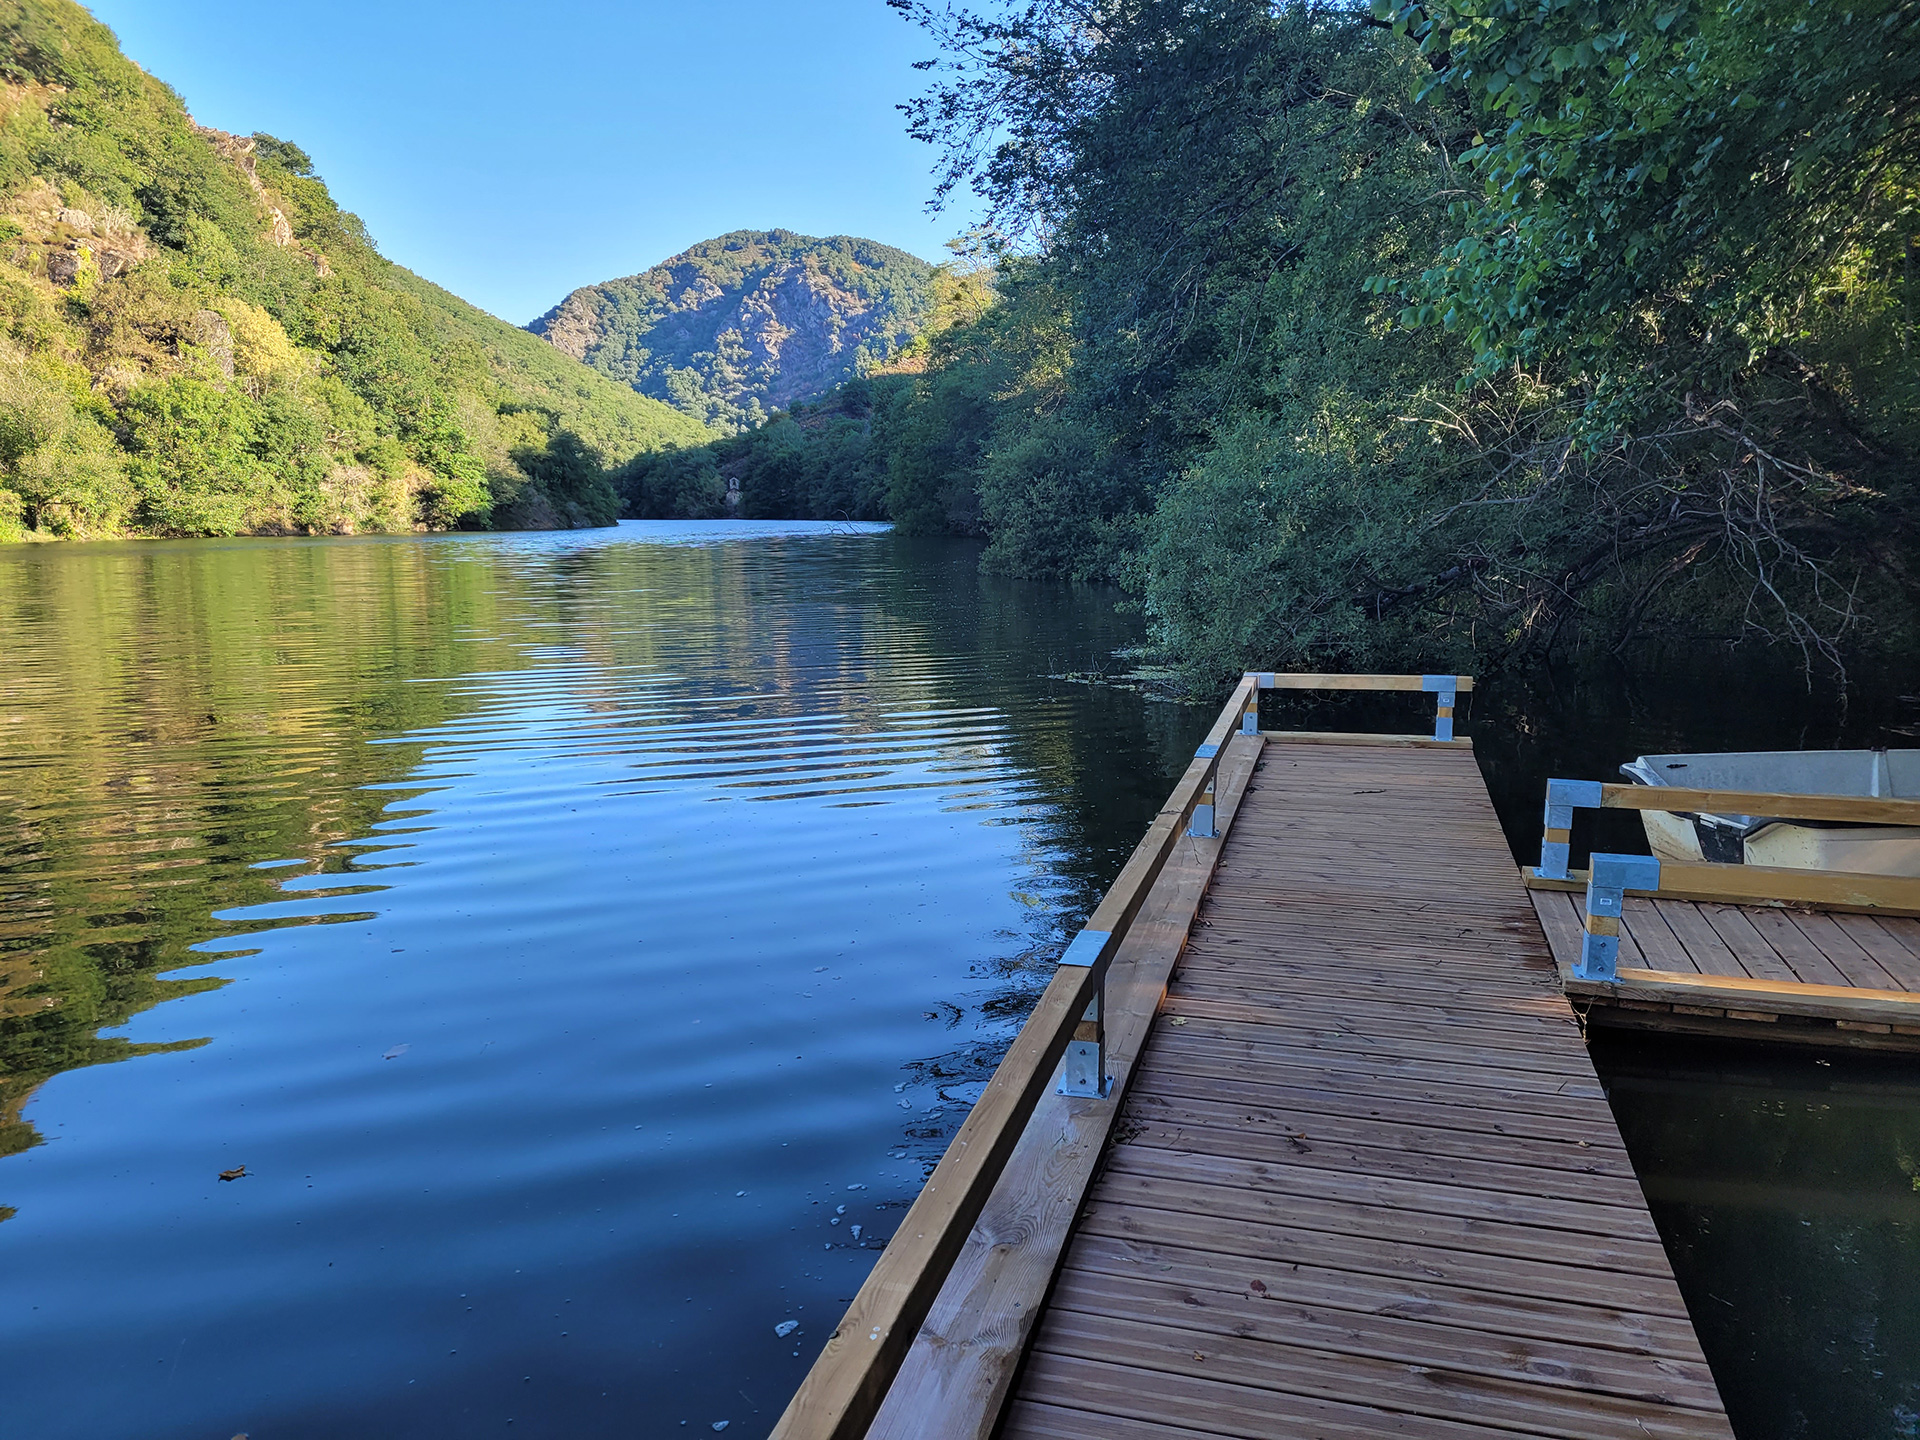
(194, 339)
(749, 323)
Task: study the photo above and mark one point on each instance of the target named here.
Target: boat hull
(1796, 845)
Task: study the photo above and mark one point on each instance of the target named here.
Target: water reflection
(1785, 1186)
(575, 939)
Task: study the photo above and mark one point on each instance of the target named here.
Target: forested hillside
(195, 340)
(872, 449)
(749, 323)
(1354, 337)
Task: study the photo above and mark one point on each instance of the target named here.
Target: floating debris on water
(786, 1328)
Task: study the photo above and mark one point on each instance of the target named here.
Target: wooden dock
(1355, 1175)
(1743, 951)
(1365, 1182)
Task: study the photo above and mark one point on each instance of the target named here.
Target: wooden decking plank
(1108, 1396)
(1330, 1041)
(1431, 1196)
(1663, 950)
(1246, 1005)
(1303, 985)
(1028, 1421)
(1534, 996)
(1366, 1093)
(1393, 1068)
(1710, 954)
(1845, 952)
(1500, 1019)
(1263, 1371)
(1523, 1123)
(1526, 1350)
(1389, 1278)
(1886, 938)
(1240, 949)
(1560, 919)
(1378, 1166)
(1210, 1105)
(1760, 959)
(1506, 1109)
(1807, 961)
(1151, 1180)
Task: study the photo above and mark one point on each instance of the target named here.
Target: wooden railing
(1609, 878)
(843, 1391)
(1445, 689)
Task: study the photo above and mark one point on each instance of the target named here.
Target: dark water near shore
(562, 929)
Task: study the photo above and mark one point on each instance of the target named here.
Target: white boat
(1768, 840)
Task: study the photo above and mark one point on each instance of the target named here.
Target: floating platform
(1302, 1140)
(1775, 953)
(1756, 972)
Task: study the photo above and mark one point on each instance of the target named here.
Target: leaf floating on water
(786, 1328)
(237, 1173)
(396, 1052)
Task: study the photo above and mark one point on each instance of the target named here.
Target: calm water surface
(575, 937)
(582, 941)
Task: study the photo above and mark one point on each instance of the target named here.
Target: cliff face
(747, 324)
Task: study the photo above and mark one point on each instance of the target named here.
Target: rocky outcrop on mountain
(749, 323)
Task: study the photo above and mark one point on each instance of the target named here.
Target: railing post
(1609, 877)
(1447, 688)
(1250, 717)
(1201, 827)
(1084, 1070)
(1556, 843)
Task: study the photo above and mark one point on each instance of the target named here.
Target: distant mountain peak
(747, 323)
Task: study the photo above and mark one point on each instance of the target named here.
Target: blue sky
(511, 152)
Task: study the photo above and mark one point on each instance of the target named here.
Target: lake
(576, 947)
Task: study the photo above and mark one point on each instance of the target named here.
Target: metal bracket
(1202, 826)
(1608, 879)
(1250, 717)
(1447, 688)
(1085, 948)
(1083, 1069)
(1563, 797)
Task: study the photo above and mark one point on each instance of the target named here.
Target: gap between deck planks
(954, 1382)
(1365, 1182)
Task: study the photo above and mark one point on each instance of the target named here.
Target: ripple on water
(516, 902)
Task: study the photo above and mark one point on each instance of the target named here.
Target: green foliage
(1320, 393)
(749, 323)
(1662, 184)
(196, 340)
(820, 461)
(61, 471)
